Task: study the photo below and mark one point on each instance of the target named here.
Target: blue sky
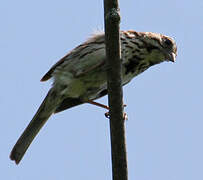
(164, 104)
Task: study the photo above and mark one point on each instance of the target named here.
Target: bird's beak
(171, 57)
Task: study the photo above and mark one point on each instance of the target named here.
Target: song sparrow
(80, 76)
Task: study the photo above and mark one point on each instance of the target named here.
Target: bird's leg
(125, 117)
(98, 104)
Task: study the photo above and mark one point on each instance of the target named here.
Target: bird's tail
(45, 110)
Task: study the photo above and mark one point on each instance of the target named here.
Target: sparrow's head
(161, 44)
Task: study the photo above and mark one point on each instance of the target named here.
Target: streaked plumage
(80, 76)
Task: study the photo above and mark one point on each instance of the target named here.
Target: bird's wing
(82, 59)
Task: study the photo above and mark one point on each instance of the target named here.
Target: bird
(80, 76)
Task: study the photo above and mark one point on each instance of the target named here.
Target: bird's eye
(168, 42)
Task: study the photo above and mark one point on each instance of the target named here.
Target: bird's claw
(107, 115)
(125, 116)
